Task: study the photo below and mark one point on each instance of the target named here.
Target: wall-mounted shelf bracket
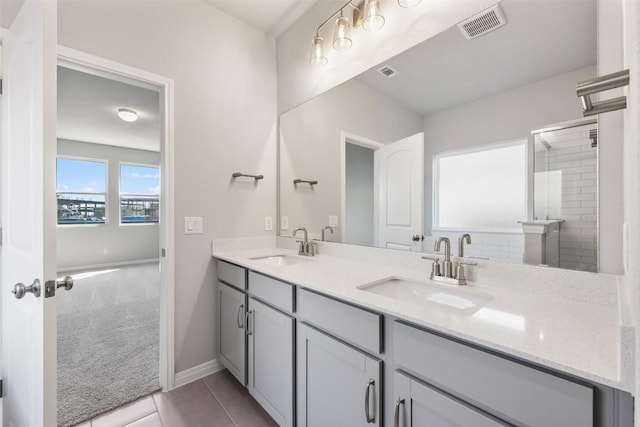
(587, 88)
(300, 181)
(255, 177)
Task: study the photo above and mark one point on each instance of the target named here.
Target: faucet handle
(467, 263)
(435, 267)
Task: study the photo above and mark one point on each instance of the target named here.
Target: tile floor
(217, 401)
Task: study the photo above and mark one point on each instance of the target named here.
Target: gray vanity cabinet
(271, 338)
(337, 384)
(418, 405)
(231, 318)
(271, 334)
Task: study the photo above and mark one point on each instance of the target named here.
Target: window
(482, 189)
(81, 191)
(139, 194)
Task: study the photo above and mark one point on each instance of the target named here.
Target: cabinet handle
(239, 317)
(396, 413)
(247, 317)
(370, 418)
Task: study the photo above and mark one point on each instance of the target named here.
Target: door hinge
(0, 236)
(164, 253)
(1, 388)
(0, 93)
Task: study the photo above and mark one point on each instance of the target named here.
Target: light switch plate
(268, 223)
(333, 220)
(192, 225)
(284, 223)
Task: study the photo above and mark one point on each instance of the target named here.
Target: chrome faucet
(323, 230)
(304, 247)
(463, 237)
(447, 268)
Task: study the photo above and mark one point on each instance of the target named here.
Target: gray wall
(225, 121)
(501, 117)
(310, 147)
(83, 245)
(359, 195)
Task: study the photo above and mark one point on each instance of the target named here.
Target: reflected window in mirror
(481, 189)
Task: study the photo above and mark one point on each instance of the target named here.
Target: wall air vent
(483, 23)
(388, 72)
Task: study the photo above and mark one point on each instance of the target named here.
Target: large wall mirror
(482, 136)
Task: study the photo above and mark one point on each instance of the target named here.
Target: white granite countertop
(581, 338)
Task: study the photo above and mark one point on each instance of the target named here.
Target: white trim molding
(95, 65)
(197, 372)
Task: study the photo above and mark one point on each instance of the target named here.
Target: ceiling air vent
(483, 23)
(388, 72)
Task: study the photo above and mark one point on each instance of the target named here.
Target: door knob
(67, 283)
(20, 290)
(50, 286)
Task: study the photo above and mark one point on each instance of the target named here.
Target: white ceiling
(270, 16)
(88, 106)
(543, 38)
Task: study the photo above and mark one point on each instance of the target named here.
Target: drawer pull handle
(396, 413)
(367, 411)
(239, 317)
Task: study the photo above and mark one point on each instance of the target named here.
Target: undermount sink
(280, 260)
(419, 292)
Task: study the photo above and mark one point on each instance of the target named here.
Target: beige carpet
(108, 335)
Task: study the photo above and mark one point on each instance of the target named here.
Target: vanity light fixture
(127, 114)
(317, 56)
(373, 19)
(367, 13)
(341, 40)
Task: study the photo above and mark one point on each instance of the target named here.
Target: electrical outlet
(268, 223)
(284, 223)
(333, 220)
(105, 251)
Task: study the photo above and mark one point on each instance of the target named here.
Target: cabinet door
(337, 385)
(271, 338)
(417, 405)
(231, 334)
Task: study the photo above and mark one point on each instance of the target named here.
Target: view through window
(139, 194)
(81, 191)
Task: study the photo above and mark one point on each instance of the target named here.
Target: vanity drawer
(505, 388)
(272, 291)
(232, 275)
(353, 324)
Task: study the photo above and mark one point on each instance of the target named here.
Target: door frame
(91, 64)
(351, 138)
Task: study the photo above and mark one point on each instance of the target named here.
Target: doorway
(114, 235)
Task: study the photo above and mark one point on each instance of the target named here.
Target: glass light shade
(127, 115)
(408, 3)
(341, 40)
(372, 20)
(317, 57)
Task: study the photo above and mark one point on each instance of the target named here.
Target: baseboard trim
(107, 265)
(197, 372)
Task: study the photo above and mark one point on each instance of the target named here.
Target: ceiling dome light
(408, 3)
(372, 20)
(317, 58)
(127, 115)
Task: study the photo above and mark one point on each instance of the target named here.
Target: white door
(401, 193)
(28, 253)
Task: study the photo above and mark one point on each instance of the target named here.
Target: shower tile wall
(566, 188)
